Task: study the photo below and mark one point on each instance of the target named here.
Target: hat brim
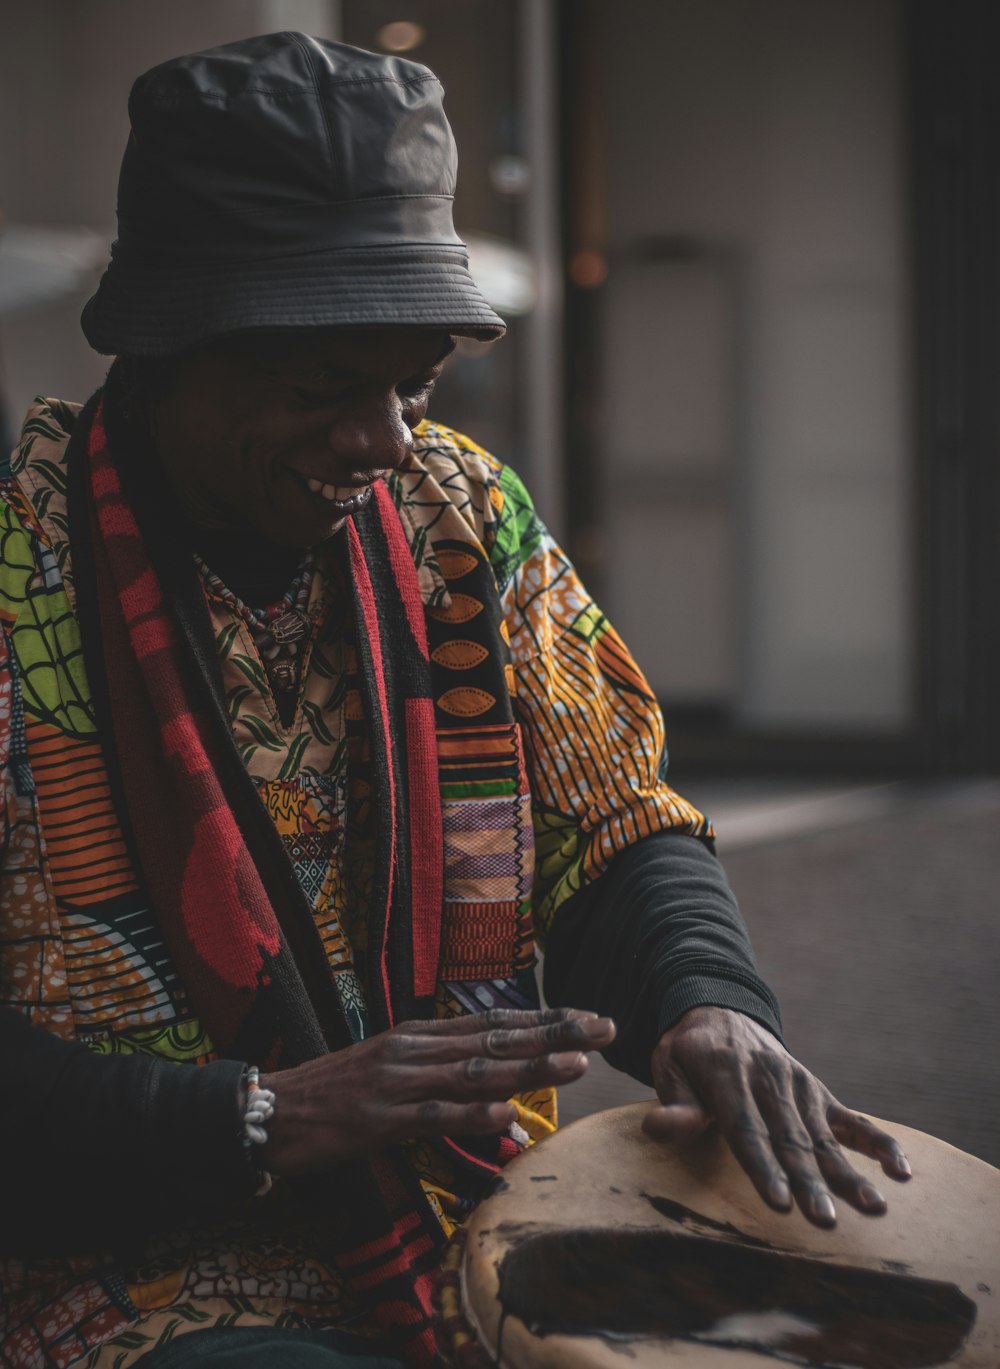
(148, 310)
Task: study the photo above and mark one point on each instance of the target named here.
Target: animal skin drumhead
(604, 1248)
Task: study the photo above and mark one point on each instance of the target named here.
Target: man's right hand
(448, 1077)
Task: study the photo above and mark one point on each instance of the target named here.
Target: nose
(371, 438)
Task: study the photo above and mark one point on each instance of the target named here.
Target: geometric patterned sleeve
(7, 796)
(592, 728)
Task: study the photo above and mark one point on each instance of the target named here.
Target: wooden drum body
(604, 1248)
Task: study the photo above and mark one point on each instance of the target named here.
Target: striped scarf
(234, 919)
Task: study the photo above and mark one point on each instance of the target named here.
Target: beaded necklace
(280, 629)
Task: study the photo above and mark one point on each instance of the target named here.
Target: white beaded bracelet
(259, 1110)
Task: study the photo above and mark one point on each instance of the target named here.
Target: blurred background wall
(779, 225)
(745, 250)
(754, 358)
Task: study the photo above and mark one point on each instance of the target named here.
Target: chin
(299, 537)
(329, 531)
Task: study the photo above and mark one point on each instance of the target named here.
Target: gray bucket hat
(284, 182)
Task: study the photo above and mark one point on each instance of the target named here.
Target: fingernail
(823, 1207)
(871, 1197)
(781, 1194)
(596, 1026)
(567, 1060)
(903, 1165)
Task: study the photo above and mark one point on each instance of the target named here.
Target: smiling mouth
(342, 499)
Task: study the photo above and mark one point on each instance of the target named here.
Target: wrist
(258, 1113)
(285, 1129)
(692, 1017)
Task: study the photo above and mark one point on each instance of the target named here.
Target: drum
(602, 1249)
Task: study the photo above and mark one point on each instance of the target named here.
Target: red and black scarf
(229, 906)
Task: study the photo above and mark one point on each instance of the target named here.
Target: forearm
(98, 1151)
(659, 933)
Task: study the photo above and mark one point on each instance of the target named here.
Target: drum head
(605, 1248)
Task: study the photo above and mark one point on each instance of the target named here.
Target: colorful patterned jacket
(79, 954)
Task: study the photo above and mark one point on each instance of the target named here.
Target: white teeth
(349, 495)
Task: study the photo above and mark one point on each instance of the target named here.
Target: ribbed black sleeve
(100, 1151)
(658, 933)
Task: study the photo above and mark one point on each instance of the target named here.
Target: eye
(417, 389)
(315, 389)
(309, 399)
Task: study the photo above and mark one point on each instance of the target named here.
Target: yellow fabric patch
(158, 1292)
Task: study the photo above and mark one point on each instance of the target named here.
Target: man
(308, 730)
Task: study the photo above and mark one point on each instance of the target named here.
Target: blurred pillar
(955, 112)
(320, 18)
(583, 131)
(542, 353)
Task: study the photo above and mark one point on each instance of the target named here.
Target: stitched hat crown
(286, 142)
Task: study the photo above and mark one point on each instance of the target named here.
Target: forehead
(361, 351)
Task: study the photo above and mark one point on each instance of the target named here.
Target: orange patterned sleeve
(592, 727)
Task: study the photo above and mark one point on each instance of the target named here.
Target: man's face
(281, 436)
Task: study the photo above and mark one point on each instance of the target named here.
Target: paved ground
(876, 917)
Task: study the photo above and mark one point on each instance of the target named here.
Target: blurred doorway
(770, 216)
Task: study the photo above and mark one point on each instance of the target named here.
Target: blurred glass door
(752, 462)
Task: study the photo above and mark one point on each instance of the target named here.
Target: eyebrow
(345, 372)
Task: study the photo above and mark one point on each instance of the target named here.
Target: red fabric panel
(365, 593)
(426, 844)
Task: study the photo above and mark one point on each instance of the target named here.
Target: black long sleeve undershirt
(659, 933)
(101, 1151)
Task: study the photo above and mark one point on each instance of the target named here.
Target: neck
(258, 572)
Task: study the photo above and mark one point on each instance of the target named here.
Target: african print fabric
(223, 894)
(79, 953)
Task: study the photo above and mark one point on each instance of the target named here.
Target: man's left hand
(784, 1127)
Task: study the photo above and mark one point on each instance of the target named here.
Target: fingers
(457, 1074)
(744, 1128)
(798, 1116)
(580, 1033)
(512, 1036)
(438, 1117)
(833, 1164)
(473, 1024)
(681, 1126)
(797, 1146)
(425, 1078)
(680, 1119)
(481, 1078)
(782, 1124)
(467, 1098)
(858, 1133)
